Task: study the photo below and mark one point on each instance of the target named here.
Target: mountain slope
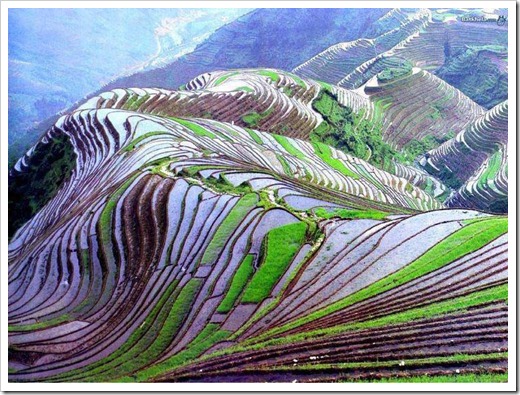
(418, 105)
(435, 40)
(474, 162)
(176, 237)
(261, 39)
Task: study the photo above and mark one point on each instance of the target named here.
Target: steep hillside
(475, 162)
(268, 100)
(383, 123)
(435, 40)
(177, 238)
(466, 68)
(487, 188)
(458, 159)
(339, 60)
(417, 105)
(221, 219)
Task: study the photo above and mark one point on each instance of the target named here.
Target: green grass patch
(349, 214)
(227, 227)
(245, 89)
(298, 80)
(285, 165)
(254, 136)
(325, 85)
(41, 325)
(220, 80)
(136, 141)
(105, 219)
(281, 246)
(493, 167)
(135, 102)
(222, 185)
(252, 119)
(197, 129)
(240, 279)
(271, 74)
(350, 132)
(325, 153)
(418, 147)
(394, 73)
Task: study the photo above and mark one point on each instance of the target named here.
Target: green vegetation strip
(298, 80)
(138, 341)
(458, 304)
(197, 129)
(271, 74)
(241, 277)
(493, 166)
(136, 141)
(253, 118)
(385, 364)
(135, 102)
(244, 89)
(285, 165)
(290, 148)
(220, 80)
(325, 153)
(172, 324)
(468, 239)
(281, 245)
(209, 336)
(105, 219)
(41, 325)
(349, 214)
(228, 227)
(461, 303)
(453, 378)
(254, 136)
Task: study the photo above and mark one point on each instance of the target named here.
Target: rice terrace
(303, 195)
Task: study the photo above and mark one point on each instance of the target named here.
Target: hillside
(224, 219)
(417, 105)
(174, 238)
(434, 40)
(43, 72)
(477, 158)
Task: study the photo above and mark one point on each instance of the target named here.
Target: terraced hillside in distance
(434, 40)
(476, 162)
(343, 222)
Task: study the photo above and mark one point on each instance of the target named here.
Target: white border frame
(231, 387)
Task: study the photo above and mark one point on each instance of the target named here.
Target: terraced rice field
(418, 105)
(199, 250)
(268, 100)
(465, 153)
(206, 235)
(419, 36)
